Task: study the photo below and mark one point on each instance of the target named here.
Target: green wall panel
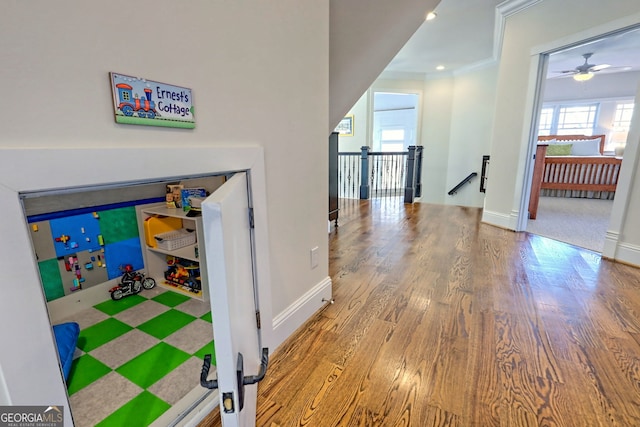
(119, 224)
(52, 282)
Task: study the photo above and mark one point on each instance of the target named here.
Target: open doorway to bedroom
(586, 105)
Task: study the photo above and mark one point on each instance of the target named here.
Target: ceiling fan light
(582, 77)
(431, 16)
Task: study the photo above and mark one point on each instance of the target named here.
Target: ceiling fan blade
(618, 69)
(599, 67)
(559, 76)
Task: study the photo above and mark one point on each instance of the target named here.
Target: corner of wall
(622, 252)
(500, 220)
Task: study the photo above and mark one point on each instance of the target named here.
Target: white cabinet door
(228, 251)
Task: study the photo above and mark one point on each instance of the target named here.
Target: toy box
(177, 239)
(155, 225)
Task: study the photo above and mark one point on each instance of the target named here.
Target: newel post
(364, 173)
(409, 189)
(419, 150)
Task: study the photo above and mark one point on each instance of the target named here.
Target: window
(578, 119)
(392, 140)
(622, 118)
(620, 126)
(395, 121)
(546, 120)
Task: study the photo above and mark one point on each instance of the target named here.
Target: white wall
(625, 212)
(436, 133)
(523, 41)
(455, 130)
(470, 138)
(605, 89)
(365, 36)
(247, 87)
(361, 130)
(619, 85)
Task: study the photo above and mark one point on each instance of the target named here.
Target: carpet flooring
(579, 222)
(137, 357)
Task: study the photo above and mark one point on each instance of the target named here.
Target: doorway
(395, 121)
(586, 89)
(37, 171)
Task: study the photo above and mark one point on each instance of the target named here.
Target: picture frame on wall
(140, 101)
(345, 127)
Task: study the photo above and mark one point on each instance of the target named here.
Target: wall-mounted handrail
(463, 182)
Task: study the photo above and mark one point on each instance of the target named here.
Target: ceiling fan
(585, 71)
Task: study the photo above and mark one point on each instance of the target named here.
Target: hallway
(442, 320)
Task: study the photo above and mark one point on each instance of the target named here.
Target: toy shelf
(190, 252)
(156, 259)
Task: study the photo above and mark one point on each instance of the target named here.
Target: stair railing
(380, 174)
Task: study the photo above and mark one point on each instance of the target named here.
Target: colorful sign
(139, 101)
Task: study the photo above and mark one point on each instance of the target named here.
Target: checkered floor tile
(137, 357)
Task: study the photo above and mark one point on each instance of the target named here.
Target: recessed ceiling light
(431, 16)
(440, 67)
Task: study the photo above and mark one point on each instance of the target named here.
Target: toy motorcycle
(131, 283)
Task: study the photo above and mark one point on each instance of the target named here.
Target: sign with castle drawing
(138, 101)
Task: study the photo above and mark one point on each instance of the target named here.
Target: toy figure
(131, 283)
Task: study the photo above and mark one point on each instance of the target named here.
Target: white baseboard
(499, 219)
(628, 254)
(610, 244)
(620, 251)
(74, 303)
(290, 319)
(191, 409)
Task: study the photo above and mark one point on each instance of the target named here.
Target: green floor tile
(207, 349)
(153, 364)
(170, 299)
(101, 333)
(85, 370)
(206, 317)
(112, 307)
(138, 412)
(166, 323)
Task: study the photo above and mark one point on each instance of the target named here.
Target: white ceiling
(462, 36)
(620, 51)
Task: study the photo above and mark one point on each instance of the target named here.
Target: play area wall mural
(79, 249)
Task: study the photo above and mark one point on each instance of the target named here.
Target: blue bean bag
(66, 338)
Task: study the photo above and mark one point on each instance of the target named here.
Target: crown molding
(503, 11)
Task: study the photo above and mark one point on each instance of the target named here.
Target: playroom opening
(127, 348)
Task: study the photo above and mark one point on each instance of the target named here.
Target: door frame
(538, 65)
(34, 360)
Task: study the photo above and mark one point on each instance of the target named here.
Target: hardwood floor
(440, 320)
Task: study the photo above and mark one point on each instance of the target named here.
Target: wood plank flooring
(440, 320)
